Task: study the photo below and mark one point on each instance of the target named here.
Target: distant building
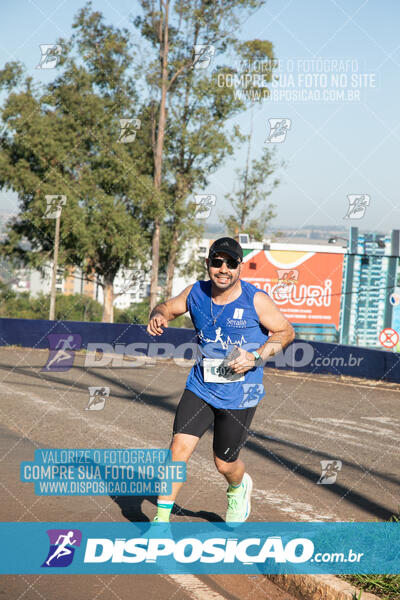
(197, 251)
(370, 276)
(21, 280)
(130, 285)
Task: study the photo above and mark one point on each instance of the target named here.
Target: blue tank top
(237, 324)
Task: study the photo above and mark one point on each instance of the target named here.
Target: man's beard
(224, 286)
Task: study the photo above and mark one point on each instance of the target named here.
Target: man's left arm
(281, 334)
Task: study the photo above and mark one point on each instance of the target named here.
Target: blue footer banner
(149, 548)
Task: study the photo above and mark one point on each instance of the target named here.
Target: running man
(62, 549)
(232, 318)
(62, 353)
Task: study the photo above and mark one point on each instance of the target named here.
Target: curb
(319, 587)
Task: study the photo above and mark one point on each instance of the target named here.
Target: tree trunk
(171, 263)
(158, 154)
(244, 212)
(108, 304)
(155, 251)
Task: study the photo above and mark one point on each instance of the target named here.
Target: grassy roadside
(387, 587)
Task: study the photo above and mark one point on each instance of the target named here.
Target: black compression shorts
(231, 427)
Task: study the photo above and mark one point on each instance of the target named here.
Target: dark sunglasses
(231, 263)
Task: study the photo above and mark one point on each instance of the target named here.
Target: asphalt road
(302, 420)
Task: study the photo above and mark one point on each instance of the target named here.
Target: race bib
(215, 371)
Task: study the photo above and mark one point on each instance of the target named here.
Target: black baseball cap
(228, 245)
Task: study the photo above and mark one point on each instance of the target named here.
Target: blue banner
(101, 472)
(199, 548)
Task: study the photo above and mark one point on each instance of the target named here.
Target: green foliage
(139, 314)
(198, 131)
(68, 308)
(387, 587)
(194, 268)
(77, 307)
(251, 213)
(63, 139)
(182, 321)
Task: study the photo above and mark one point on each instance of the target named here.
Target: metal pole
(52, 311)
(348, 286)
(391, 276)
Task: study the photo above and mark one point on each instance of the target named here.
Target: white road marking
(336, 433)
(360, 427)
(112, 432)
(286, 504)
(299, 511)
(382, 386)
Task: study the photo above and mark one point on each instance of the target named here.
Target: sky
(341, 139)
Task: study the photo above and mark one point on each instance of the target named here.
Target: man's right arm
(168, 311)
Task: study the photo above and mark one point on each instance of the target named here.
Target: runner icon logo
(357, 206)
(278, 129)
(128, 129)
(330, 469)
(54, 206)
(204, 204)
(62, 547)
(62, 351)
(203, 54)
(50, 56)
(97, 397)
(252, 394)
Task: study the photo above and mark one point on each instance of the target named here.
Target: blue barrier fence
(304, 356)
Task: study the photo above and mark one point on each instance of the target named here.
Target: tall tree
(66, 139)
(255, 182)
(189, 101)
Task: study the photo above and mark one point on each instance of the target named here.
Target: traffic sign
(388, 337)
